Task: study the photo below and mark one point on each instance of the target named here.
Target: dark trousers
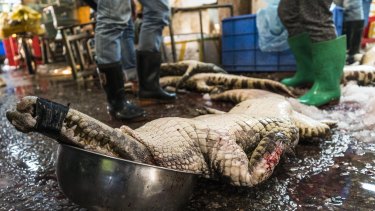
(311, 16)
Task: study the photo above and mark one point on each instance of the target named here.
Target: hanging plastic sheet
(272, 34)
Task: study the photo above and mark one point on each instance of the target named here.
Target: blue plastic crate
(2, 50)
(240, 48)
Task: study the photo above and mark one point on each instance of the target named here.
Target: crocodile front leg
(75, 128)
(195, 67)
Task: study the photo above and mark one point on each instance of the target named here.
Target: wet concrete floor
(337, 173)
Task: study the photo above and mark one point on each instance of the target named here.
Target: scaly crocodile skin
(235, 147)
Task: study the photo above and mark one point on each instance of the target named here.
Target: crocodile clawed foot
(23, 117)
(187, 75)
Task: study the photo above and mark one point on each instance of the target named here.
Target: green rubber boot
(329, 61)
(301, 49)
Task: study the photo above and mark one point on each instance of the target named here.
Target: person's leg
(156, 15)
(288, 11)
(112, 17)
(128, 52)
(354, 31)
(353, 25)
(299, 43)
(328, 52)
(317, 19)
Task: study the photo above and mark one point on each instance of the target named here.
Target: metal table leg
(69, 54)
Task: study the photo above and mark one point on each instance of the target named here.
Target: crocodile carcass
(235, 147)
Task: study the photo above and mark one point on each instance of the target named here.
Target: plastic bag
(273, 36)
(22, 19)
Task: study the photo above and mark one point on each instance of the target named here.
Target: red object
(11, 51)
(365, 38)
(36, 50)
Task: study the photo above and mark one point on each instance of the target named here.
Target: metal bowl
(100, 182)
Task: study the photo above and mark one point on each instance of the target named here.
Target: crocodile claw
(23, 117)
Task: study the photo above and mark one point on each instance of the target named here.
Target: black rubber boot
(112, 81)
(148, 68)
(353, 31)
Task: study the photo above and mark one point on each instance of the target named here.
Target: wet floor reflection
(332, 174)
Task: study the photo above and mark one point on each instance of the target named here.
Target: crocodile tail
(362, 77)
(264, 84)
(240, 95)
(235, 95)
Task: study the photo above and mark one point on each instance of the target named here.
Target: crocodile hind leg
(198, 67)
(186, 75)
(249, 170)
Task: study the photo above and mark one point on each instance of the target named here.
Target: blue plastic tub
(240, 48)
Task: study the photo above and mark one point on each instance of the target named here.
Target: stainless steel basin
(100, 182)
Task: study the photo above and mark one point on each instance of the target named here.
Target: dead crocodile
(234, 147)
(260, 103)
(184, 69)
(364, 74)
(217, 82)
